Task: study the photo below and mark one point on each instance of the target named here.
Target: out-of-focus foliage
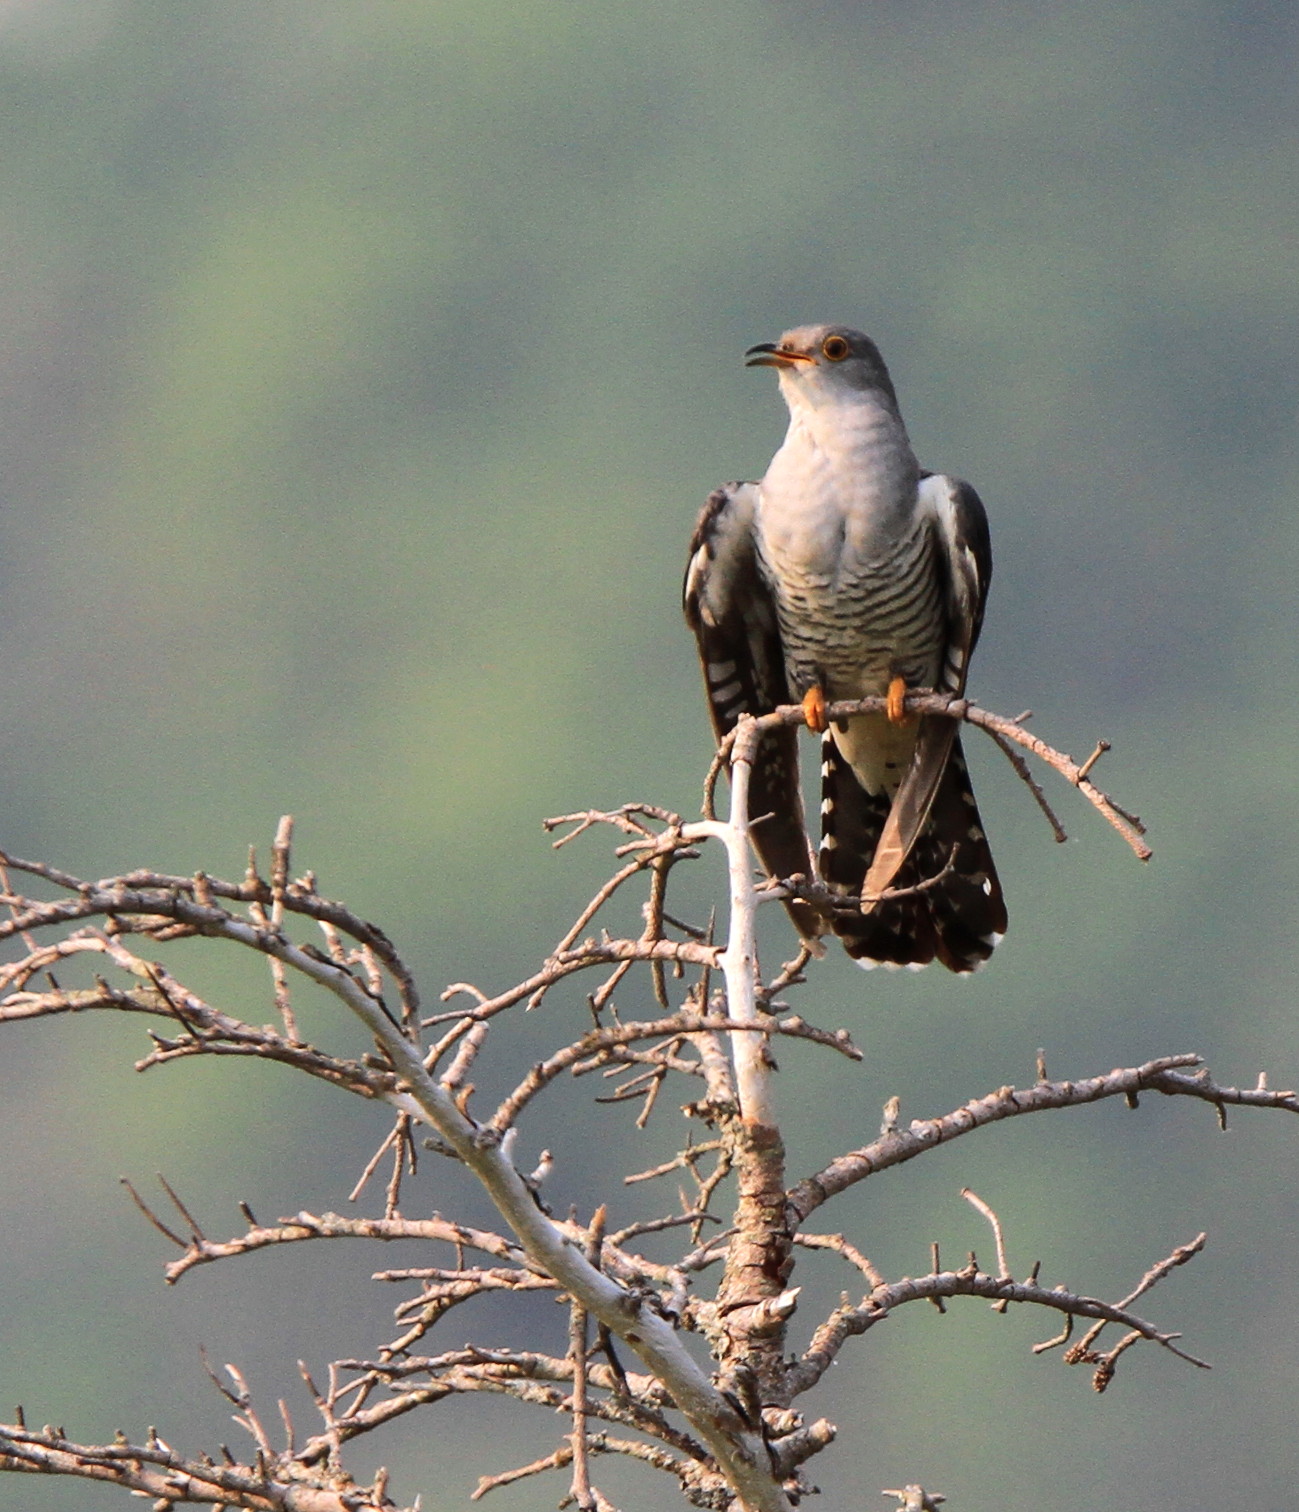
(362, 368)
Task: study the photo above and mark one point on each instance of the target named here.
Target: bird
(848, 571)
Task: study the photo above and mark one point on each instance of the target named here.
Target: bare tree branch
(1165, 1074)
(153, 1469)
(725, 1430)
(1004, 732)
(848, 1321)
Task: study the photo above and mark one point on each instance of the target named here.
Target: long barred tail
(958, 919)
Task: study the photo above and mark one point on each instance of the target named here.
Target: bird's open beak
(768, 354)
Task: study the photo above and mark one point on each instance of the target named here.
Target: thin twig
(1003, 1268)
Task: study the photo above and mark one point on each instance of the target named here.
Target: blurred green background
(362, 369)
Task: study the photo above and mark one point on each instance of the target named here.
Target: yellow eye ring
(835, 348)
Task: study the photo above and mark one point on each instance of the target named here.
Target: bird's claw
(814, 709)
(895, 704)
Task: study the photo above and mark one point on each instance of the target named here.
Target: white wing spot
(719, 671)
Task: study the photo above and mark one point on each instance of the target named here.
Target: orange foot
(814, 709)
(896, 702)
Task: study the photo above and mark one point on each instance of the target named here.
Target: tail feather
(950, 907)
(779, 830)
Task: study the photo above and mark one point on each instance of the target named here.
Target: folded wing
(730, 609)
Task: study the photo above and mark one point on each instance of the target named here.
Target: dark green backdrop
(361, 371)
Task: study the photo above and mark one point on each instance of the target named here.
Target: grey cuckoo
(850, 572)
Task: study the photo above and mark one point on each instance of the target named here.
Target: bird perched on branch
(850, 572)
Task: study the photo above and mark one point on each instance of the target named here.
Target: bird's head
(823, 364)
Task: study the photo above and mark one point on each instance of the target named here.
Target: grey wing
(964, 554)
(730, 609)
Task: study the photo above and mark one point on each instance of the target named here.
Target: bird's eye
(836, 348)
